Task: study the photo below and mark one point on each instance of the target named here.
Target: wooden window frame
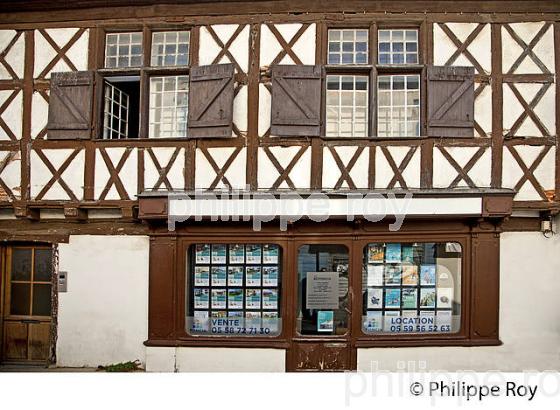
(373, 69)
(144, 72)
(479, 281)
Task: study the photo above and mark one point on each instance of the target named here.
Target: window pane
(411, 288)
(322, 290)
(19, 299)
(116, 112)
(398, 109)
(123, 50)
(21, 264)
(170, 48)
(392, 45)
(234, 290)
(43, 265)
(347, 46)
(347, 104)
(168, 106)
(41, 300)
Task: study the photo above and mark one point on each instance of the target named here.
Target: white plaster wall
(529, 318)
(358, 173)
(11, 173)
(12, 115)
(73, 175)
(103, 318)
(15, 57)
(45, 53)
(235, 174)
(384, 173)
(127, 175)
(175, 176)
(205, 359)
(300, 174)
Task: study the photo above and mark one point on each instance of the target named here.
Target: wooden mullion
(143, 128)
(253, 77)
(194, 44)
(95, 59)
(146, 46)
(25, 145)
(316, 173)
(372, 110)
(497, 106)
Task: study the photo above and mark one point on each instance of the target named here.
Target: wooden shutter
(211, 101)
(450, 101)
(296, 100)
(70, 105)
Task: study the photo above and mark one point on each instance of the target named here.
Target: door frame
(328, 341)
(6, 255)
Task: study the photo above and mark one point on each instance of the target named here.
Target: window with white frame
(170, 48)
(123, 50)
(347, 105)
(166, 91)
(168, 106)
(115, 112)
(398, 46)
(348, 46)
(398, 99)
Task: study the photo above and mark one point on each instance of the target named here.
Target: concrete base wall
(103, 318)
(205, 359)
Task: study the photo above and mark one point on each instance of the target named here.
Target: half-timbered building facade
(400, 157)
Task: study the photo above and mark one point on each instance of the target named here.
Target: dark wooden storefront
(479, 239)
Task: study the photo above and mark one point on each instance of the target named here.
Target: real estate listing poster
(201, 276)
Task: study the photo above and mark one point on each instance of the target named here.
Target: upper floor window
(347, 108)
(398, 47)
(170, 48)
(123, 50)
(348, 47)
(167, 91)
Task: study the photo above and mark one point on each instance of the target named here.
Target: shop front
(320, 292)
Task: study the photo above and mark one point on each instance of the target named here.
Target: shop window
(411, 288)
(322, 290)
(234, 289)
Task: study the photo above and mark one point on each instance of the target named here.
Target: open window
(144, 89)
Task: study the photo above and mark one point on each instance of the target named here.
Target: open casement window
(450, 101)
(70, 107)
(296, 100)
(211, 101)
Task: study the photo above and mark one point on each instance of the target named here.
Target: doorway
(26, 303)
(322, 338)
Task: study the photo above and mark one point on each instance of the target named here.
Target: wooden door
(26, 316)
(323, 308)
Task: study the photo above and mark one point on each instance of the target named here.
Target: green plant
(121, 367)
